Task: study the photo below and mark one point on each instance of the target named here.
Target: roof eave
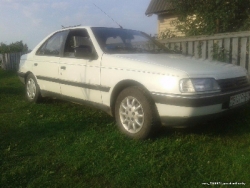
(160, 12)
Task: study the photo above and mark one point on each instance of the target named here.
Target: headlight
(191, 85)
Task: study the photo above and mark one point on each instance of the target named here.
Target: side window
(53, 45)
(79, 45)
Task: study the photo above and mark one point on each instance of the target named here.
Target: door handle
(63, 67)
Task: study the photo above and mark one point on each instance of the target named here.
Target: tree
(18, 46)
(201, 17)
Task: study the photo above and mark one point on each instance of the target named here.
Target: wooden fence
(10, 61)
(227, 47)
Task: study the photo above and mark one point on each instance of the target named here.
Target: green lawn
(60, 144)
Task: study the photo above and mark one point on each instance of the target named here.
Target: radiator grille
(233, 84)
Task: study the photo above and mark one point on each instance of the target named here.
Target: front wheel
(135, 113)
(32, 89)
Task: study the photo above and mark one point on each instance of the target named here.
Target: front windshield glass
(123, 41)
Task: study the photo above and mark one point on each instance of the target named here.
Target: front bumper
(178, 109)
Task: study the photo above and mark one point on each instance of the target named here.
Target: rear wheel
(135, 113)
(32, 89)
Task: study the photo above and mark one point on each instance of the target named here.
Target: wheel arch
(121, 86)
(26, 75)
(25, 79)
(35, 89)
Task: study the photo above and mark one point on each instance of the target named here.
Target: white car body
(99, 81)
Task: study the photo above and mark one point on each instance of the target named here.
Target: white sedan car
(132, 77)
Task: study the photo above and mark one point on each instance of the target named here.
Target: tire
(136, 113)
(32, 90)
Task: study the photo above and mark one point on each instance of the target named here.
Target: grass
(60, 144)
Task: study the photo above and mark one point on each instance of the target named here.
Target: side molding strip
(76, 84)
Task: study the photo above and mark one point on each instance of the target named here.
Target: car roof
(84, 27)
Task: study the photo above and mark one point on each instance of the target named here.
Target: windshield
(123, 41)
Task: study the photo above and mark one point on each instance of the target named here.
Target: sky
(32, 20)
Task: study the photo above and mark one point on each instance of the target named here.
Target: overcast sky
(32, 20)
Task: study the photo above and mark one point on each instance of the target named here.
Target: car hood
(191, 66)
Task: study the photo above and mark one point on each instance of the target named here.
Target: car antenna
(108, 16)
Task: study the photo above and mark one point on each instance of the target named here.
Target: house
(166, 14)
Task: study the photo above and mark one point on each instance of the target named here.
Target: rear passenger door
(46, 63)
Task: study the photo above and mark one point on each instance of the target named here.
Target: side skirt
(102, 107)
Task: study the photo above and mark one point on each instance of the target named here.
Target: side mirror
(84, 52)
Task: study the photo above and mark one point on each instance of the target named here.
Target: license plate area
(239, 99)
